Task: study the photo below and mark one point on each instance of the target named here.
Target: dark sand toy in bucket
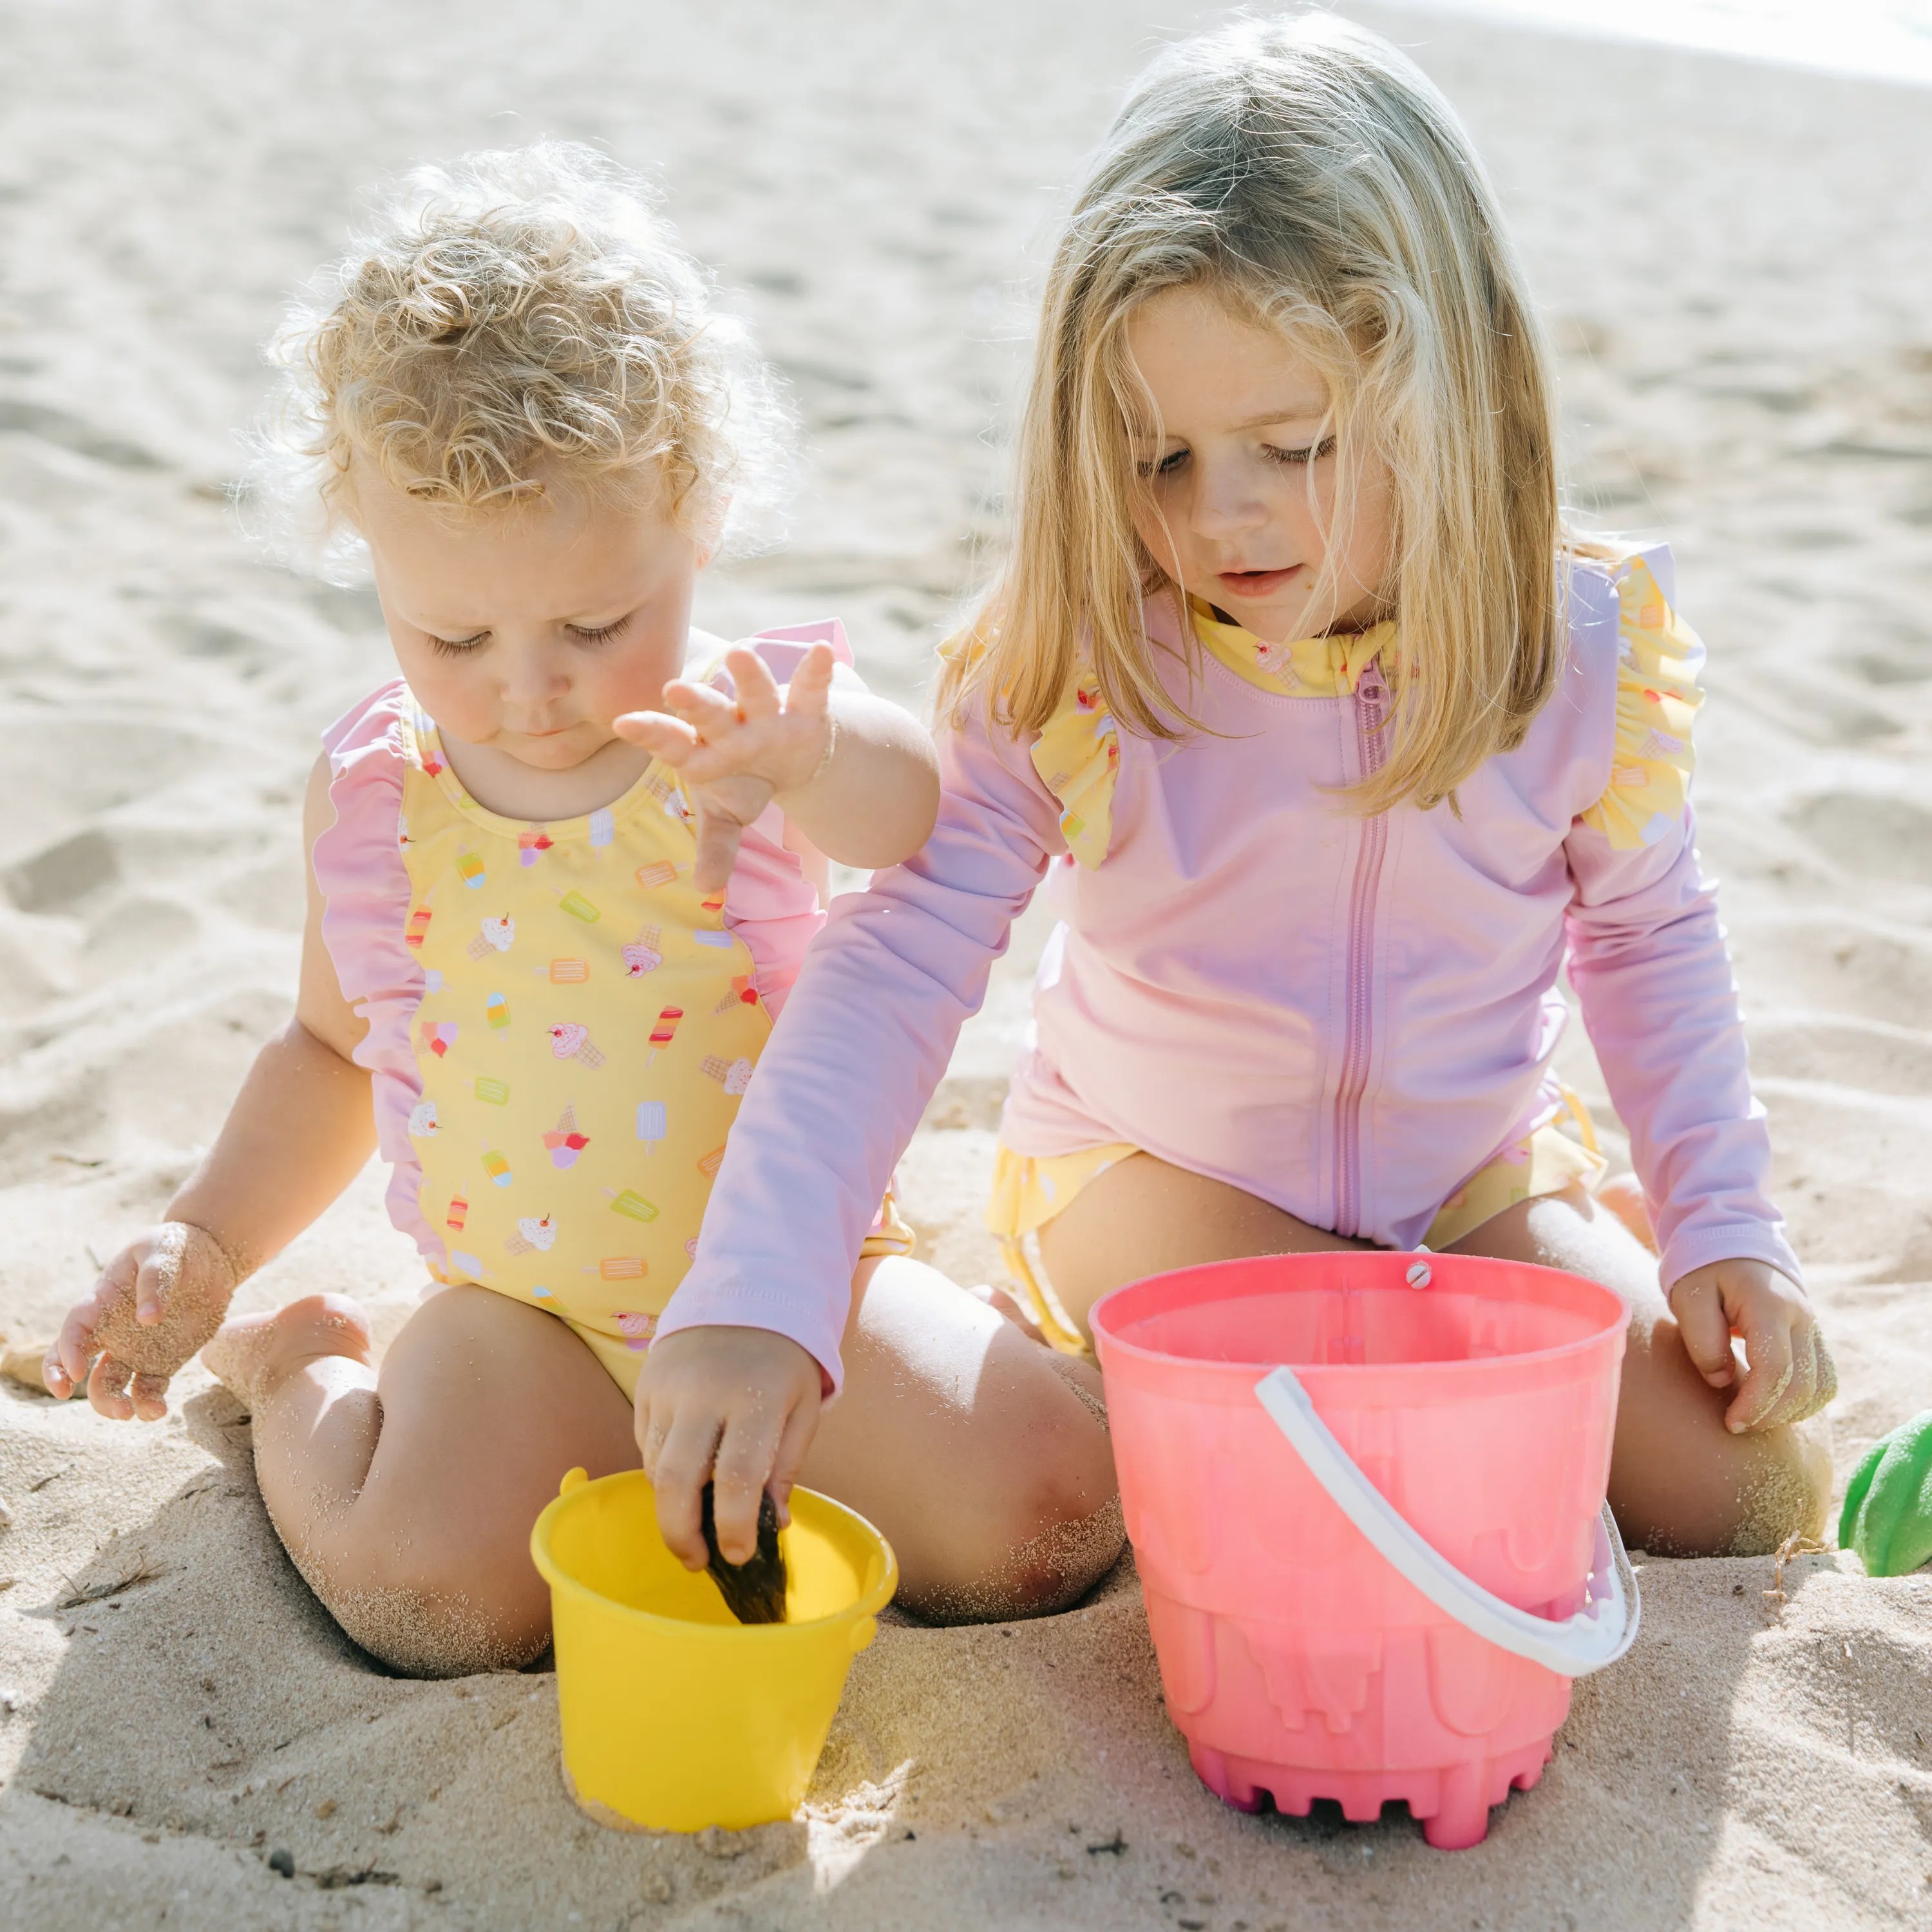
(755, 1590)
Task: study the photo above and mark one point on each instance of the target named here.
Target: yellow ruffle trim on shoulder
(1077, 756)
(1659, 657)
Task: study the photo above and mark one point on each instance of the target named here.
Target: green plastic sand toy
(1888, 1514)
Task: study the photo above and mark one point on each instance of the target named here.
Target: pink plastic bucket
(1478, 1398)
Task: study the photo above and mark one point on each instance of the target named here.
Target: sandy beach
(1733, 259)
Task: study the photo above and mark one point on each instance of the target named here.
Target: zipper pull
(1369, 687)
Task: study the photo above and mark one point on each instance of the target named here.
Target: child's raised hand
(736, 1407)
(1790, 1374)
(157, 1302)
(737, 754)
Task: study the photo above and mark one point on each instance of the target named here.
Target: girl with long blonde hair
(1334, 748)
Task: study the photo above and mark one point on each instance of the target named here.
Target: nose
(1224, 502)
(533, 677)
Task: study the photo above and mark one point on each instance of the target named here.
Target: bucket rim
(1107, 1339)
(868, 1603)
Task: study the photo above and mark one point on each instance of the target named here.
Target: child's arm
(1649, 963)
(299, 1130)
(858, 776)
(749, 1345)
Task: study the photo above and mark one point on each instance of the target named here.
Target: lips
(1253, 583)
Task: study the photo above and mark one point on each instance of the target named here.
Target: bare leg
(1143, 1216)
(980, 1454)
(406, 1497)
(1681, 1483)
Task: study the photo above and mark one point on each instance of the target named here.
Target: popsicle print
(651, 1127)
(497, 1167)
(733, 1075)
(496, 1093)
(619, 1267)
(418, 925)
(469, 869)
(710, 1165)
(564, 1140)
(496, 1011)
(665, 1031)
(603, 827)
(631, 1203)
(564, 972)
(644, 954)
(459, 1213)
(578, 907)
(655, 873)
(570, 1041)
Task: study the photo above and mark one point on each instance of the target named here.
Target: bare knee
(1050, 1527)
(1683, 1485)
(417, 1603)
(427, 1626)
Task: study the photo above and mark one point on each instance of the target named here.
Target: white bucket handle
(1598, 1634)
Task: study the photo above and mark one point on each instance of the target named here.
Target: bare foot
(252, 1356)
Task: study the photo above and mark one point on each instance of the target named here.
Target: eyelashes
(457, 647)
(602, 634)
(1312, 452)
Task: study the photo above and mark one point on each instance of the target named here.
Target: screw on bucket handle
(1597, 1635)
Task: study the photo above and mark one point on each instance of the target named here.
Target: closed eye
(600, 633)
(454, 647)
(1165, 466)
(1312, 452)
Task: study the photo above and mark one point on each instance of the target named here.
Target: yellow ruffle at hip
(1029, 1190)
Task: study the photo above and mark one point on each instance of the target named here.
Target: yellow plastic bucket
(676, 1716)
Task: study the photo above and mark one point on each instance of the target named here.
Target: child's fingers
(670, 739)
(1706, 1329)
(800, 1426)
(683, 1465)
(704, 707)
(74, 1347)
(151, 1398)
(107, 1389)
(809, 693)
(159, 1272)
(738, 1477)
(1774, 1373)
(757, 689)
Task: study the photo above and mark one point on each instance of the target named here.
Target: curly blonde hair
(1308, 175)
(516, 313)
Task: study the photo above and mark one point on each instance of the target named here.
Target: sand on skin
(1732, 259)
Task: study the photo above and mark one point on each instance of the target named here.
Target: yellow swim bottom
(623, 1355)
(1028, 1190)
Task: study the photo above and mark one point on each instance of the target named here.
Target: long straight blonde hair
(1310, 176)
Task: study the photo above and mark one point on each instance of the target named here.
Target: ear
(711, 531)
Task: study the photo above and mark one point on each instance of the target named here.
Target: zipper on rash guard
(1371, 714)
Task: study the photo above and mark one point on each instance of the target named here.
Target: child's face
(1243, 482)
(527, 630)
